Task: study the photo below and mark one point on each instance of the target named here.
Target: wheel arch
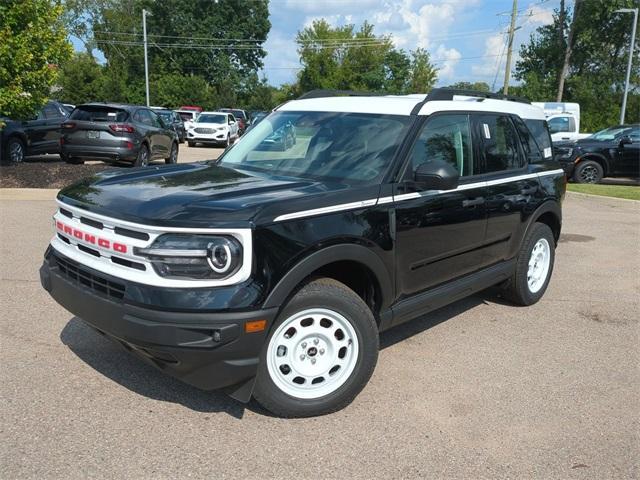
(598, 158)
(550, 214)
(354, 265)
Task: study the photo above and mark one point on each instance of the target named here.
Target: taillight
(68, 125)
(122, 127)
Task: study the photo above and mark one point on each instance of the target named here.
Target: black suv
(270, 273)
(613, 152)
(35, 136)
(114, 132)
(173, 120)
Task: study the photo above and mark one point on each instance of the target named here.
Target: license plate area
(93, 134)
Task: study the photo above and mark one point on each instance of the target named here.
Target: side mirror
(437, 175)
(626, 140)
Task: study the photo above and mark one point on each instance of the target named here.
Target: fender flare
(334, 253)
(549, 206)
(595, 157)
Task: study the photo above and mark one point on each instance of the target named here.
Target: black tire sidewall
(334, 296)
(138, 162)
(538, 231)
(586, 163)
(12, 141)
(169, 161)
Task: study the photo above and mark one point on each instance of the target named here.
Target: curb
(589, 195)
(35, 194)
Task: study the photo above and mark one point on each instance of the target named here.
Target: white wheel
(539, 263)
(312, 353)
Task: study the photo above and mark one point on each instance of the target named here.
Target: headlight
(566, 152)
(221, 128)
(198, 257)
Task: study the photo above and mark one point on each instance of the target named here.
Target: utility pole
(512, 29)
(146, 61)
(633, 42)
(568, 50)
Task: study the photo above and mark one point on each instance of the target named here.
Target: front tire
(534, 266)
(588, 171)
(320, 354)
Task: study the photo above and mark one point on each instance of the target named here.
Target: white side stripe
(409, 196)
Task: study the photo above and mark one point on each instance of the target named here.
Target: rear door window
(51, 111)
(90, 113)
(540, 132)
(500, 146)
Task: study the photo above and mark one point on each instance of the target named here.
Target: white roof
(215, 113)
(404, 104)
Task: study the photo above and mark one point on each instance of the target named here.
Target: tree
(477, 86)
(596, 67)
(81, 80)
(33, 44)
(423, 74)
(343, 58)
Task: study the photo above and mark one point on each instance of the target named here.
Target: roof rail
(336, 93)
(448, 94)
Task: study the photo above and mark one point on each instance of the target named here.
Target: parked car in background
(241, 117)
(192, 108)
(34, 136)
(173, 120)
(68, 107)
(220, 128)
(114, 132)
(283, 138)
(563, 119)
(613, 152)
(188, 117)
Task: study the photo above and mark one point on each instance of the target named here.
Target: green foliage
(477, 86)
(80, 79)
(597, 65)
(342, 58)
(33, 42)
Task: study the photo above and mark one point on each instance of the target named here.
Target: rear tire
(173, 156)
(588, 171)
(142, 160)
(16, 150)
(534, 266)
(320, 354)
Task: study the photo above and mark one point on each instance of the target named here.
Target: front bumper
(217, 137)
(204, 349)
(568, 168)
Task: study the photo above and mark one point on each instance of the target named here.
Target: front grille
(204, 130)
(74, 271)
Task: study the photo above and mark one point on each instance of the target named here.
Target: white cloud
(494, 48)
(537, 15)
(446, 59)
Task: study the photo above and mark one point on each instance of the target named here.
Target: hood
(190, 195)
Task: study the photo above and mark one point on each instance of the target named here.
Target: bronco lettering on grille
(92, 239)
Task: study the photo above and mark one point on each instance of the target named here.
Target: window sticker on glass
(547, 152)
(111, 114)
(487, 132)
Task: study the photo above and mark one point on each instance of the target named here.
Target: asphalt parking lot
(478, 389)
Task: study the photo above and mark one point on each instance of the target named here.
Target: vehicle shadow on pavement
(114, 362)
(430, 320)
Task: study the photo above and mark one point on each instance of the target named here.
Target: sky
(465, 38)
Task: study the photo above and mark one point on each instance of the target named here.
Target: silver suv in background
(115, 132)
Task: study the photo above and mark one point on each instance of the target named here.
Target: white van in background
(563, 119)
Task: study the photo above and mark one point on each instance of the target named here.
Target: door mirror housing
(437, 175)
(626, 140)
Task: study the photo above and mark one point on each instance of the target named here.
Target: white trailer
(563, 119)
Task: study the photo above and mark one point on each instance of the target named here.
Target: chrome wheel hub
(16, 152)
(538, 268)
(589, 174)
(312, 353)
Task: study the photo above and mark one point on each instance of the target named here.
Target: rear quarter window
(540, 132)
(99, 114)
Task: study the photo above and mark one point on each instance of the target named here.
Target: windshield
(610, 133)
(166, 116)
(206, 118)
(320, 145)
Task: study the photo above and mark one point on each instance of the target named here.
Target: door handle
(473, 202)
